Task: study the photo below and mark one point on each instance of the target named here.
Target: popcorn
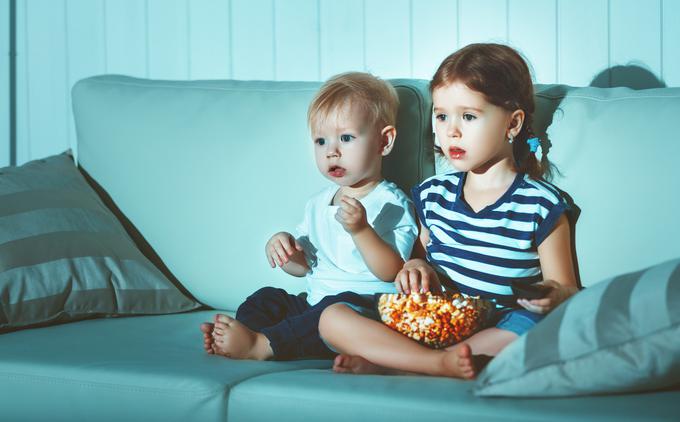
(434, 320)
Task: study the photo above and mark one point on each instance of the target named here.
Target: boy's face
(347, 148)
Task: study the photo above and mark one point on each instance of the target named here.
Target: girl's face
(473, 133)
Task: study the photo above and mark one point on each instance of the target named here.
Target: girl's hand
(280, 248)
(417, 276)
(352, 215)
(557, 294)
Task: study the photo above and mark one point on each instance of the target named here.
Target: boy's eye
(346, 138)
(319, 141)
(440, 117)
(469, 117)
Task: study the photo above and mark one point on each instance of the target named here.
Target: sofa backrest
(207, 171)
(618, 150)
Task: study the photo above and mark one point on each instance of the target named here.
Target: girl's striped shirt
(482, 252)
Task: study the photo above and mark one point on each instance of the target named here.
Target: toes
(225, 319)
(221, 326)
(207, 327)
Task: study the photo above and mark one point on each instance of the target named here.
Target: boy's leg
(269, 306)
(238, 339)
(353, 334)
(297, 336)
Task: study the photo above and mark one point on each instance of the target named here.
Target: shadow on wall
(630, 76)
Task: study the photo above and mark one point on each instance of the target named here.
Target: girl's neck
(492, 176)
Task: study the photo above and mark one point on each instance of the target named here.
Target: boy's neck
(359, 192)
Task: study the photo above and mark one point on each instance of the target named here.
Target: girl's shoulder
(541, 190)
(448, 181)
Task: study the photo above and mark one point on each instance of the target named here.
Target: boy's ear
(387, 137)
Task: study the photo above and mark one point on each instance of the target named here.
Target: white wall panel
(127, 47)
(61, 41)
(670, 39)
(85, 48)
(435, 34)
(168, 39)
(43, 80)
(582, 53)
(531, 30)
(342, 36)
(388, 38)
(629, 47)
(209, 40)
(253, 39)
(4, 84)
(482, 21)
(296, 40)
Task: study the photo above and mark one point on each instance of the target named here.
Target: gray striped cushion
(64, 256)
(620, 335)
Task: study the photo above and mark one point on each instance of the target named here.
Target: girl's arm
(417, 275)
(557, 267)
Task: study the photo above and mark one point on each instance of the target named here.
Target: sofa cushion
(150, 368)
(224, 165)
(64, 256)
(621, 335)
(313, 394)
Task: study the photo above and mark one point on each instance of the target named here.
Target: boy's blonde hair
(377, 98)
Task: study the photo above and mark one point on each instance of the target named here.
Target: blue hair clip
(534, 143)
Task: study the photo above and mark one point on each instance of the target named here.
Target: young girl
(495, 221)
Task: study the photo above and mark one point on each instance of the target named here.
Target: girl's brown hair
(502, 76)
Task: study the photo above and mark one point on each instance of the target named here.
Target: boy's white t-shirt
(336, 263)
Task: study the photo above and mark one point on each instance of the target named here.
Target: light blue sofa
(205, 171)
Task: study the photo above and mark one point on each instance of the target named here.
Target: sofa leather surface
(317, 394)
(150, 368)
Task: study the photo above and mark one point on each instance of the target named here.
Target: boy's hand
(417, 276)
(352, 215)
(557, 294)
(280, 247)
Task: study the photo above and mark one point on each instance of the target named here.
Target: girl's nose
(452, 129)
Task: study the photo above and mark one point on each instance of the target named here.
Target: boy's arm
(383, 261)
(284, 250)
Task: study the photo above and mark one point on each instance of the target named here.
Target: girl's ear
(387, 137)
(516, 122)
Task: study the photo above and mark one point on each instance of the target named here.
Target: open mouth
(456, 153)
(336, 171)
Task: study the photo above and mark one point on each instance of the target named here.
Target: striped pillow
(64, 256)
(620, 335)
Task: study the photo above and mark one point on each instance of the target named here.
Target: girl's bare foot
(208, 342)
(234, 340)
(356, 365)
(457, 362)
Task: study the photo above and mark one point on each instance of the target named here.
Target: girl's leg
(353, 334)
(490, 341)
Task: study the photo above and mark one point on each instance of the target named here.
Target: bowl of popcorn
(436, 321)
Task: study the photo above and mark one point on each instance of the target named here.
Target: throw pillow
(619, 335)
(64, 256)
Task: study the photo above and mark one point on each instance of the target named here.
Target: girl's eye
(320, 141)
(440, 117)
(346, 138)
(469, 117)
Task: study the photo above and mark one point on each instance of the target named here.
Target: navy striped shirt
(482, 252)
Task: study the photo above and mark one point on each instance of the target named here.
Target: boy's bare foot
(457, 362)
(208, 342)
(234, 340)
(356, 365)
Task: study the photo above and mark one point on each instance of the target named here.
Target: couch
(201, 173)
